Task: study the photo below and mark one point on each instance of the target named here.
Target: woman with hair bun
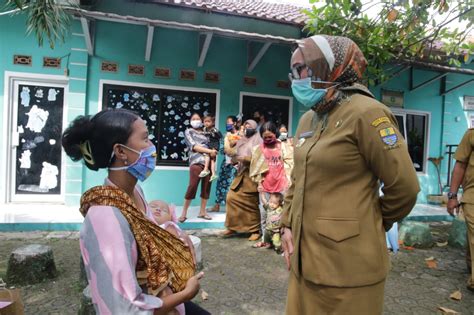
(133, 266)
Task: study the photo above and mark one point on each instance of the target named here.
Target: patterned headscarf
(335, 59)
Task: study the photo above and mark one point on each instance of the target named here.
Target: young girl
(274, 208)
(270, 168)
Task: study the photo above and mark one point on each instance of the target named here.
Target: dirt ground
(242, 280)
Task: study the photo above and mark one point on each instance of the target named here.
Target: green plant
(398, 32)
(45, 18)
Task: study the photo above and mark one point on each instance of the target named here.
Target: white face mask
(283, 136)
(196, 124)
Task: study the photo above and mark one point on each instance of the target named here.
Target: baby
(274, 208)
(165, 217)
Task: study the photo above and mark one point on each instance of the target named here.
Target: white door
(35, 170)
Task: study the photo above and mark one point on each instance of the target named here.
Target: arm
(462, 156)
(386, 155)
(457, 178)
(191, 143)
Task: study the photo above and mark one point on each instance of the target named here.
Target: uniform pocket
(338, 229)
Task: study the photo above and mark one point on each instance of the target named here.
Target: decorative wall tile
(283, 84)
(51, 62)
(136, 69)
(187, 75)
(109, 66)
(162, 72)
(211, 77)
(22, 60)
(250, 81)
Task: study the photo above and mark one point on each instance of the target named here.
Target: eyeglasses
(295, 73)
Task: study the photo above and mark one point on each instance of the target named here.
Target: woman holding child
(198, 144)
(270, 168)
(242, 214)
(133, 265)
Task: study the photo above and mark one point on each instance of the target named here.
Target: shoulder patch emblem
(388, 136)
(380, 121)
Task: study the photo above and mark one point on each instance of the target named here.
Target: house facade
(165, 60)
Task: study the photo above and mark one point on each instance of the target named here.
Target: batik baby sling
(167, 260)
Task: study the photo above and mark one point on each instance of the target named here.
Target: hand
(453, 206)
(193, 286)
(287, 245)
(213, 153)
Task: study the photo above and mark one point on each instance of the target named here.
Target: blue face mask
(229, 127)
(143, 166)
(305, 94)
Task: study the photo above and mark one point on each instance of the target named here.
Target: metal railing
(450, 150)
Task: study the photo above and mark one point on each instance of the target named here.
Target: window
(166, 113)
(275, 108)
(414, 128)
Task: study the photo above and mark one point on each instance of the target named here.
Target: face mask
(196, 124)
(143, 166)
(229, 127)
(249, 132)
(283, 136)
(305, 94)
(270, 141)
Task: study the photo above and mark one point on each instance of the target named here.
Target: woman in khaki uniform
(334, 221)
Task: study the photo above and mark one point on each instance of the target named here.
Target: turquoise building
(166, 59)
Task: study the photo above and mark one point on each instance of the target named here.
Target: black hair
(269, 126)
(103, 131)
(195, 113)
(233, 118)
(279, 196)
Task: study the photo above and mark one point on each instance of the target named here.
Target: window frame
(217, 92)
(404, 113)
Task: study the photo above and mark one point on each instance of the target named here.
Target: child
(165, 217)
(274, 208)
(214, 136)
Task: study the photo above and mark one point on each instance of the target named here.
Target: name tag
(307, 134)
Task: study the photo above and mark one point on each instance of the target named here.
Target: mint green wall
(176, 49)
(443, 126)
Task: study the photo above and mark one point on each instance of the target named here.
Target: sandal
(261, 245)
(216, 208)
(182, 219)
(227, 233)
(254, 237)
(205, 217)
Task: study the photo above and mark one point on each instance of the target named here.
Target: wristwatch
(452, 195)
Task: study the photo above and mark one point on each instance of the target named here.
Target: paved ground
(242, 280)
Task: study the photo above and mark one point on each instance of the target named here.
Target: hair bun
(78, 132)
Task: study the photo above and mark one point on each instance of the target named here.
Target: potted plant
(438, 198)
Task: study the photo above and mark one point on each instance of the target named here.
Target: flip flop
(213, 209)
(205, 217)
(182, 219)
(261, 245)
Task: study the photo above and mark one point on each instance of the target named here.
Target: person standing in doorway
(463, 174)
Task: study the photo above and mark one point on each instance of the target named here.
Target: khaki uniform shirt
(333, 206)
(463, 154)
